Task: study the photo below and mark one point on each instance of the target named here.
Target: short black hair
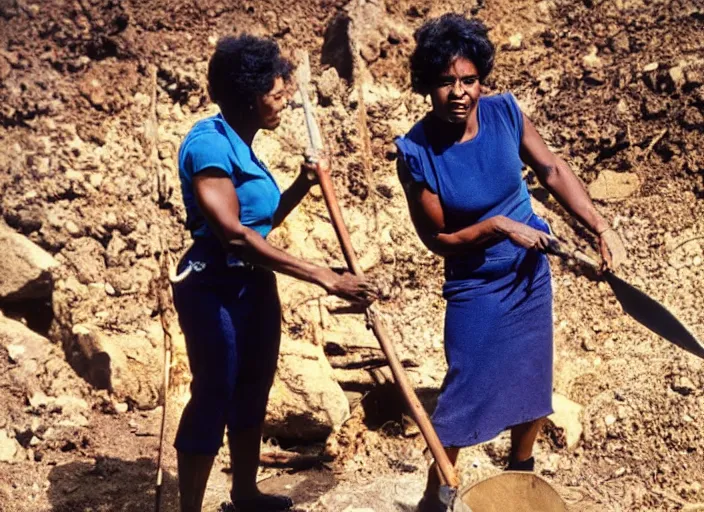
(440, 40)
(242, 68)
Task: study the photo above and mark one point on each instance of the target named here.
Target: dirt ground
(95, 96)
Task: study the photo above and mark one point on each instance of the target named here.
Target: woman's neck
(457, 132)
(471, 127)
(245, 126)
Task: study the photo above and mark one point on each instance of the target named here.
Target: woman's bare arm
(428, 218)
(557, 177)
(218, 201)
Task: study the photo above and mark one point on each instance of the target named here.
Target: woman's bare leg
(193, 473)
(523, 439)
(432, 487)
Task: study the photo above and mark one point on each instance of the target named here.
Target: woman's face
(456, 91)
(270, 105)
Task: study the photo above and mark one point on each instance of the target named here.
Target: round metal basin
(514, 491)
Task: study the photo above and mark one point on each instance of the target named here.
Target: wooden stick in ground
(164, 301)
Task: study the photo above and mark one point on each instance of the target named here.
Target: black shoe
(263, 503)
(521, 465)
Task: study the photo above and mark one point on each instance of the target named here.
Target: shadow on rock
(109, 485)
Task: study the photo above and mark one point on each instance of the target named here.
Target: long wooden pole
(417, 411)
(445, 467)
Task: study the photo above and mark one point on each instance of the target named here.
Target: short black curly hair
(440, 40)
(242, 68)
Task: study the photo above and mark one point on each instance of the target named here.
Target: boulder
(305, 402)
(126, 365)
(25, 268)
(614, 186)
(565, 423)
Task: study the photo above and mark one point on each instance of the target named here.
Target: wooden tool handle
(557, 250)
(417, 411)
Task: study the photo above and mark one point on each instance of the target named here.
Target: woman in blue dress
(461, 169)
(227, 300)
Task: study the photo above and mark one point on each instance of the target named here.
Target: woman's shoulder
(501, 100)
(414, 137)
(209, 127)
(505, 109)
(207, 134)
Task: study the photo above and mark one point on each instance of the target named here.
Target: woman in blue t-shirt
(226, 299)
(461, 169)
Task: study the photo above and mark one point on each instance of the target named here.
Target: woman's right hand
(347, 286)
(526, 236)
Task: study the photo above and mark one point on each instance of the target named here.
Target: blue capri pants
(231, 319)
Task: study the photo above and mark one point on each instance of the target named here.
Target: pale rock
(515, 42)
(614, 186)
(15, 352)
(305, 402)
(567, 419)
(592, 61)
(73, 175)
(96, 180)
(77, 420)
(328, 85)
(9, 447)
(121, 363)
(610, 419)
(141, 99)
(25, 268)
(38, 400)
(70, 404)
(651, 67)
(684, 386)
(677, 76)
(72, 228)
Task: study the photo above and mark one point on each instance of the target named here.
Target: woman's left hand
(613, 252)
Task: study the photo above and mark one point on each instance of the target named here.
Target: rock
(9, 447)
(5, 68)
(677, 76)
(70, 404)
(38, 400)
(86, 256)
(40, 369)
(122, 364)
(693, 507)
(566, 420)
(592, 61)
(515, 42)
(614, 186)
(305, 401)
(14, 352)
(550, 466)
(328, 86)
(25, 268)
(650, 67)
(684, 386)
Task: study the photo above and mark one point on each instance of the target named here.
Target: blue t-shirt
(212, 143)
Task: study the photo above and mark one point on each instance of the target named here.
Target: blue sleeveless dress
(498, 322)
